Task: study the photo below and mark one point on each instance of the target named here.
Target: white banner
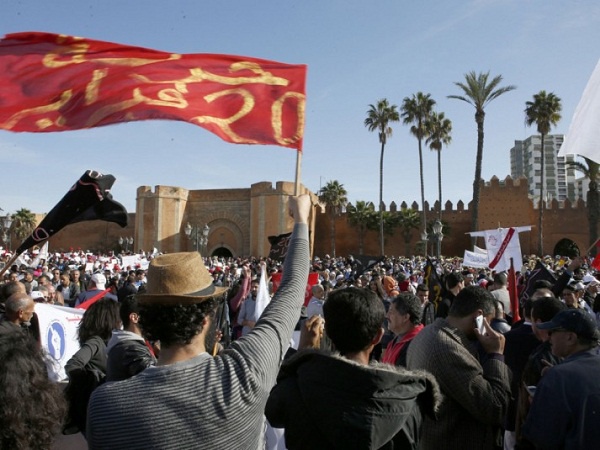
(475, 259)
(58, 332)
(135, 261)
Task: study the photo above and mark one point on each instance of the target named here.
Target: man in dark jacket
(128, 353)
(127, 289)
(330, 401)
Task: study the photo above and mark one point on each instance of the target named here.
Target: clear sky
(357, 52)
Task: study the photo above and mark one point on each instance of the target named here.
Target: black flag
(433, 282)
(88, 199)
(538, 273)
(279, 246)
(363, 263)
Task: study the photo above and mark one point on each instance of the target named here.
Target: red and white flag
(502, 245)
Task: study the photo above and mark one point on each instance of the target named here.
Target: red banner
(313, 278)
(52, 82)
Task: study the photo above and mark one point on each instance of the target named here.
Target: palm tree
(477, 91)
(544, 111)
(24, 223)
(408, 220)
(438, 130)
(590, 169)
(334, 196)
(416, 111)
(378, 119)
(361, 216)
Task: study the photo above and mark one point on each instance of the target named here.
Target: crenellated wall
(241, 220)
(503, 203)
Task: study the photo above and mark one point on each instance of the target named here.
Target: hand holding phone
(480, 325)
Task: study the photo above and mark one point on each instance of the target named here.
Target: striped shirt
(206, 402)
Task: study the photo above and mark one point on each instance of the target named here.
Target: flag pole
(298, 171)
(9, 264)
(592, 246)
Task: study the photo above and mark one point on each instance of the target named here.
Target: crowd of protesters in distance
(415, 306)
(64, 277)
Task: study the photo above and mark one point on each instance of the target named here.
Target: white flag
(262, 298)
(583, 137)
(502, 245)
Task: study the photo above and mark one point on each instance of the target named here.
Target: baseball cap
(577, 321)
(37, 296)
(100, 281)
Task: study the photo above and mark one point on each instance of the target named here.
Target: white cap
(99, 280)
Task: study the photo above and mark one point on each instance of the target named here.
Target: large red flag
(52, 82)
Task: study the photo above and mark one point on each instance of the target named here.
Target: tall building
(582, 186)
(525, 160)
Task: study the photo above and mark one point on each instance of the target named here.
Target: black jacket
(325, 401)
(128, 355)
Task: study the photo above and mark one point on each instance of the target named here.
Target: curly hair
(175, 324)
(32, 408)
(100, 319)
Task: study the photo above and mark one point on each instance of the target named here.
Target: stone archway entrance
(222, 252)
(566, 247)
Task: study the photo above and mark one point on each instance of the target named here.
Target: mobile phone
(480, 325)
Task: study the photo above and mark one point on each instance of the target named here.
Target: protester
(543, 309)
(454, 284)
(96, 289)
(353, 402)
(19, 311)
(32, 408)
(88, 364)
(191, 398)
(404, 320)
(247, 317)
(476, 389)
(128, 353)
(564, 412)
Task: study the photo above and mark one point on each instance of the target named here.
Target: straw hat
(178, 278)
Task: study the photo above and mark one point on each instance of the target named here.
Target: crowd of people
(177, 353)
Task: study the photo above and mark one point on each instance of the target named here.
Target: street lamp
(424, 238)
(6, 223)
(198, 235)
(439, 235)
(127, 241)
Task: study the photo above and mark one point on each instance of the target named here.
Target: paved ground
(72, 442)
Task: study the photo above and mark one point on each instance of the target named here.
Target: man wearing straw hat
(192, 399)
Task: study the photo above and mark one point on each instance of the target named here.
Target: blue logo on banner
(56, 340)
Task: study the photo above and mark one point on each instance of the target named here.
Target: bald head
(318, 291)
(19, 308)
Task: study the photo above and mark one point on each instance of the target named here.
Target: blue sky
(357, 52)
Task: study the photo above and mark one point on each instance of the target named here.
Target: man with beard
(475, 385)
(192, 399)
(247, 317)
